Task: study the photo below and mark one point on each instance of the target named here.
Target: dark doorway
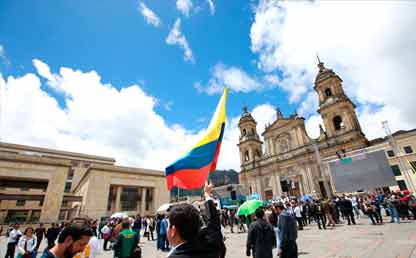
(322, 188)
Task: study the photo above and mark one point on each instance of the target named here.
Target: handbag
(26, 254)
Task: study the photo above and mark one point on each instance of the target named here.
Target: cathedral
(289, 162)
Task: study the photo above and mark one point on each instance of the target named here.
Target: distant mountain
(224, 177)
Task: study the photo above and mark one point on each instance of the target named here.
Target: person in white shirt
(12, 241)
(106, 231)
(298, 214)
(94, 244)
(27, 244)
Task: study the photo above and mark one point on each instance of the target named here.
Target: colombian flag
(192, 170)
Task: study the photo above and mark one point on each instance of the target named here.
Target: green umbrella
(249, 207)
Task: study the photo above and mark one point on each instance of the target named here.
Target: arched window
(252, 131)
(244, 132)
(338, 124)
(328, 92)
(246, 156)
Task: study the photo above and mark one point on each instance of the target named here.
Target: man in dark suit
(186, 236)
(346, 208)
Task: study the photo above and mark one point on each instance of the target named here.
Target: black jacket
(261, 239)
(209, 242)
(346, 205)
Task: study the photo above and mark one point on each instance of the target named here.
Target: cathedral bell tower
(249, 142)
(336, 109)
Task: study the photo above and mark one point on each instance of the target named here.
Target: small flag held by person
(192, 170)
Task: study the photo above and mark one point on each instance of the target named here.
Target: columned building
(290, 162)
(46, 185)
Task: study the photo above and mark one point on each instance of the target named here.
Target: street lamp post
(397, 153)
(321, 169)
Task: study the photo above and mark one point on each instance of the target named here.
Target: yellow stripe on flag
(214, 129)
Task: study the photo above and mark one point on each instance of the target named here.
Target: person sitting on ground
(73, 239)
(186, 236)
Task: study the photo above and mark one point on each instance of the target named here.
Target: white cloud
(43, 70)
(2, 51)
(98, 118)
(232, 77)
(176, 37)
(3, 56)
(309, 105)
(211, 6)
(374, 57)
(149, 16)
(105, 124)
(184, 6)
(230, 155)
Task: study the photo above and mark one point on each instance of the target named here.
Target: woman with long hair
(27, 244)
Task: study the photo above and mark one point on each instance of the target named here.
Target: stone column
(277, 183)
(54, 194)
(305, 180)
(118, 198)
(143, 208)
(310, 179)
(139, 201)
(29, 215)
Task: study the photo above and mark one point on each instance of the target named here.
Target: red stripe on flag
(189, 179)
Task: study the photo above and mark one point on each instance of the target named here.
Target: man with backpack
(261, 238)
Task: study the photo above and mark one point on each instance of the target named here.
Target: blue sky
(112, 38)
(168, 60)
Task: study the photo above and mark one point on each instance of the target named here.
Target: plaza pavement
(360, 241)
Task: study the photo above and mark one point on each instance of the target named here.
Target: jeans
(320, 218)
(300, 224)
(105, 243)
(11, 247)
(161, 242)
(289, 250)
(350, 217)
(394, 215)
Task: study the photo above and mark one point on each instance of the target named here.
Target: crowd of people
(198, 230)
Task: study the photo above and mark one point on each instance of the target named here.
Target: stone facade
(290, 164)
(406, 142)
(39, 184)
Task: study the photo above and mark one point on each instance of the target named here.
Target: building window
(244, 132)
(338, 124)
(70, 174)
(252, 131)
(111, 197)
(68, 186)
(35, 216)
(402, 185)
(64, 203)
(149, 198)
(390, 153)
(129, 198)
(246, 156)
(408, 149)
(41, 202)
(396, 170)
(62, 215)
(20, 203)
(328, 92)
(413, 165)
